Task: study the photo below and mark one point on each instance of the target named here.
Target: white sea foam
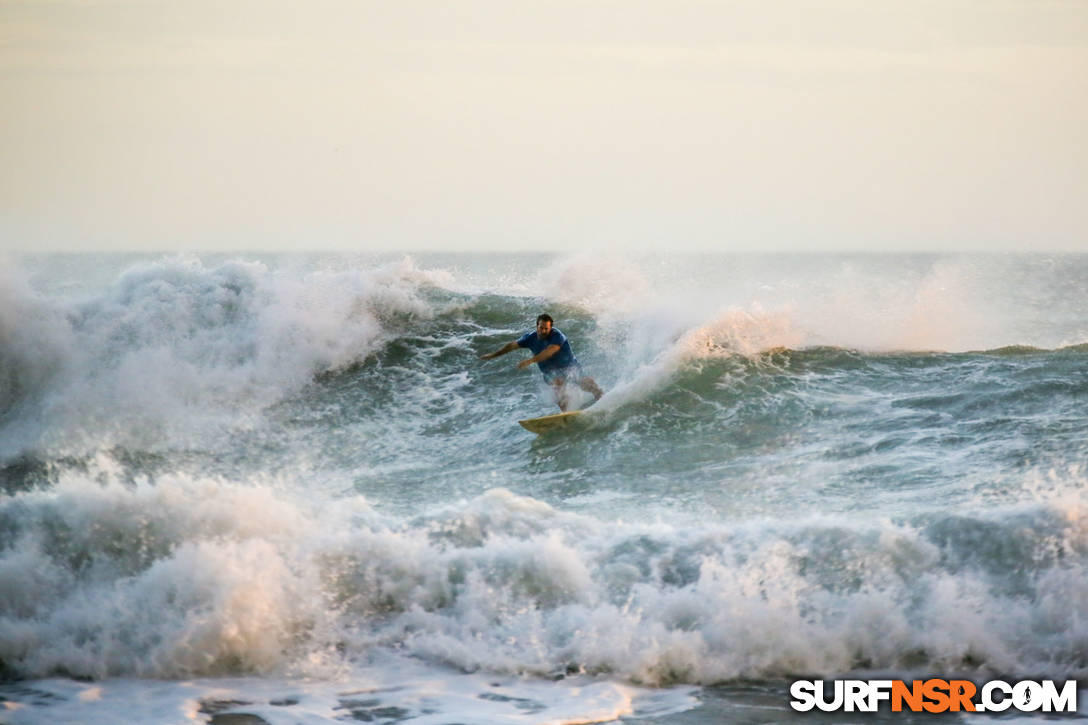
(159, 570)
(922, 302)
(730, 333)
(606, 286)
(178, 351)
(189, 577)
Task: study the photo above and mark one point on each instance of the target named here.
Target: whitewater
(284, 488)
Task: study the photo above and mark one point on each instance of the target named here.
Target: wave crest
(196, 577)
(175, 349)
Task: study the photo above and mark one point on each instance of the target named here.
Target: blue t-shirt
(562, 359)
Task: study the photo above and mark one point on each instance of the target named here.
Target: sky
(490, 125)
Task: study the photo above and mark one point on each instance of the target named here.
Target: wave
(176, 354)
(187, 576)
(174, 349)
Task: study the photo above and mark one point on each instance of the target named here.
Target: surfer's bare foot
(590, 385)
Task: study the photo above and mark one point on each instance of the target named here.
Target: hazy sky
(499, 125)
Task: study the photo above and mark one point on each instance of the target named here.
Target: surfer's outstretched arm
(540, 357)
(508, 347)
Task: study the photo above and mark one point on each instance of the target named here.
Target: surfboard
(548, 423)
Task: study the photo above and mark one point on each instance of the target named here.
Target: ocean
(246, 489)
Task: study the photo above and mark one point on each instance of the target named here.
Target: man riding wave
(555, 358)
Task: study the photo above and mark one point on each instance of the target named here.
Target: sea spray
(174, 349)
(289, 486)
(189, 577)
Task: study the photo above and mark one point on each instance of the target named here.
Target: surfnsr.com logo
(933, 695)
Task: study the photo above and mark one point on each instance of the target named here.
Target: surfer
(553, 355)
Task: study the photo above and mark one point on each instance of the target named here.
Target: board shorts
(570, 372)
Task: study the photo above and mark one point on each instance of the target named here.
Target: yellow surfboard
(548, 423)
